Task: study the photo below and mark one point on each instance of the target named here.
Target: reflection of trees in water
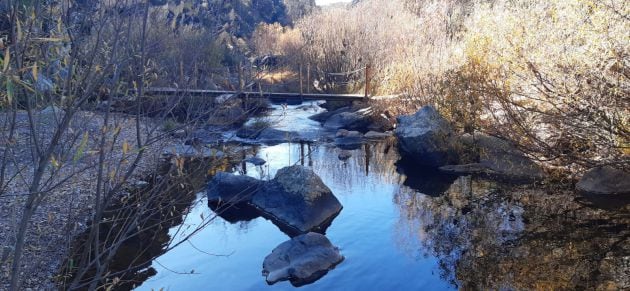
(490, 236)
(371, 165)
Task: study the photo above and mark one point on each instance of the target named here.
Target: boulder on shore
(427, 138)
(297, 200)
(232, 189)
(302, 260)
(605, 184)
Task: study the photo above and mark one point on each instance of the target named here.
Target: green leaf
(81, 150)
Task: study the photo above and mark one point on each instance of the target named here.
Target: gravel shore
(66, 208)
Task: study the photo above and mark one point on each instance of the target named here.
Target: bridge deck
(252, 94)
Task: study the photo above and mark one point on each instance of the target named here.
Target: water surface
(404, 228)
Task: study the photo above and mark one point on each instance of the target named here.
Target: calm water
(419, 231)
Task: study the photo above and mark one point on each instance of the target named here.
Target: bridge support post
(308, 78)
(367, 81)
(301, 83)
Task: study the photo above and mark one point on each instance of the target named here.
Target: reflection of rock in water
(491, 236)
(301, 260)
(428, 181)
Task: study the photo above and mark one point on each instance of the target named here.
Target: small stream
(404, 228)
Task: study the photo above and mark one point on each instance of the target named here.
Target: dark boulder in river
(427, 138)
(348, 120)
(605, 185)
(302, 260)
(232, 189)
(297, 199)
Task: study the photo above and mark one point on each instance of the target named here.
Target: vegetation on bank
(551, 76)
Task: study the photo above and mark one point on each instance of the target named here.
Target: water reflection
(502, 237)
(409, 228)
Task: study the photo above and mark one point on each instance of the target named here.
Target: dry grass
(552, 76)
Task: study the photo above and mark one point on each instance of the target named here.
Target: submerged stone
(302, 260)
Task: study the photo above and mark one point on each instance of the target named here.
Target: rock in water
(232, 189)
(347, 120)
(298, 200)
(256, 161)
(427, 138)
(605, 184)
(302, 260)
(348, 140)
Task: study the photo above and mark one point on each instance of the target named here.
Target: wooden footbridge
(245, 91)
(275, 96)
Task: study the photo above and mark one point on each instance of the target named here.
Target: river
(404, 228)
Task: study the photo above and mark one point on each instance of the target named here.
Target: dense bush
(550, 75)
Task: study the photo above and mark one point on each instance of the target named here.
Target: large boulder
(301, 260)
(427, 138)
(496, 158)
(605, 184)
(231, 189)
(297, 200)
(348, 120)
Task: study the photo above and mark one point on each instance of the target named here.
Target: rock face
(297, 199)
(301, 260)
(497, 158)
(232, 189)
(427, 138)
(605, 183)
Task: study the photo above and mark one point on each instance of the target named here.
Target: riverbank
(66, 209)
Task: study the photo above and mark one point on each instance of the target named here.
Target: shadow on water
(428, 181)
